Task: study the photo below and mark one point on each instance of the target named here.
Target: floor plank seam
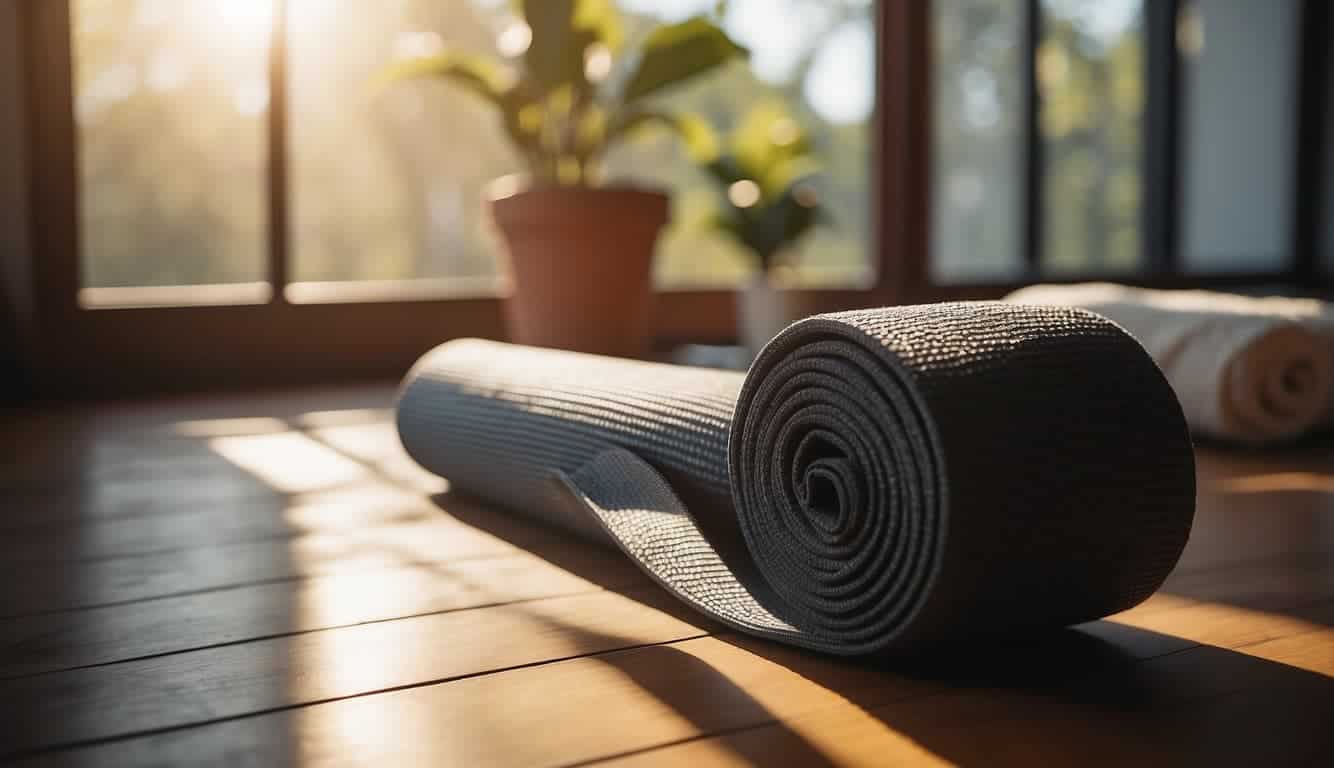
(76, 522)
(409, 565)
(334, 699)
(298, 633)
(26, 564)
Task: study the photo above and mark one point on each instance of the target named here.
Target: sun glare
(248, 20)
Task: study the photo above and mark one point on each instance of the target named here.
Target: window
(172, 107)
(169, 101)
(1123, 139)
(1239, 110)
(322, 226)
(1089, 66)
(978, 152)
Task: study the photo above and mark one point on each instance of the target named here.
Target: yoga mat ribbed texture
(880, 481)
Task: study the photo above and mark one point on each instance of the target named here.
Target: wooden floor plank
(1301, 576)
(1155, 713)
(280, 672)
(1232, 626)
(1312, 651)
(86, 499)
(147, 686)
(435, 536)
(188, 590)
(1244, 527)
(558, 713)
(49, 587)
(50, 642)
(211, 525)
(148, 476)
(113, 467)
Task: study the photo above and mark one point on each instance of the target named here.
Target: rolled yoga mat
(1247, 369)
(880, 481)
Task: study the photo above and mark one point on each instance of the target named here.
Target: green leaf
(766, 141)
(572, 64)
(785, 173)
(797, 211)
(472, 73)
(547, 60)
(677, 52)
(523, 119)
(602, 19)
(726, 171)
(591, 132)
(724, 221)
(697, 135)
(768, 227)
(563, 31)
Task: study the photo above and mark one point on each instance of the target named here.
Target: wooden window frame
(96, 352)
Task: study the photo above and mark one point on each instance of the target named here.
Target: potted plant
(766, 202)
(580, 252)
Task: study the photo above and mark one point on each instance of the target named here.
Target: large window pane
(978, 65)
(170, 104)
(1238, 120)
(389, 185)
(1090, 72)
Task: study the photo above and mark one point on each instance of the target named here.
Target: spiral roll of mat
(888, 480)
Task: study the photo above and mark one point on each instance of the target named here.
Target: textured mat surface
(881, 480)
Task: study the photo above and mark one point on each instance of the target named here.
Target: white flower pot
(765, 307)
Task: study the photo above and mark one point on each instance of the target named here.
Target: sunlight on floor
(290, 462)
(1312, 652)
(314, 451)
(317, 419)
(377, 444)
(1280, 481)
(258, 425)
(1243, 630)
(358, 505)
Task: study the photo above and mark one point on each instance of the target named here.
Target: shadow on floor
(1102, 693)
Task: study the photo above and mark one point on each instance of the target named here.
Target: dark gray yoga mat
(880, 481)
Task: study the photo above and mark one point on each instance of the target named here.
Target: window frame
(83, 352)
(139, 349)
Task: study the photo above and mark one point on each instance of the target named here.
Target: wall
(1326, 235)
(16, 300)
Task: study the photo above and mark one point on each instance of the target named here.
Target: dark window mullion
(277, 154)
(1032, 105)
(1308, 198)
(1162, 125)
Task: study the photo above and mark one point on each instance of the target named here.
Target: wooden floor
(267, 581)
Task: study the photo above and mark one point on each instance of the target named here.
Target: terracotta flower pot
(580, 260)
